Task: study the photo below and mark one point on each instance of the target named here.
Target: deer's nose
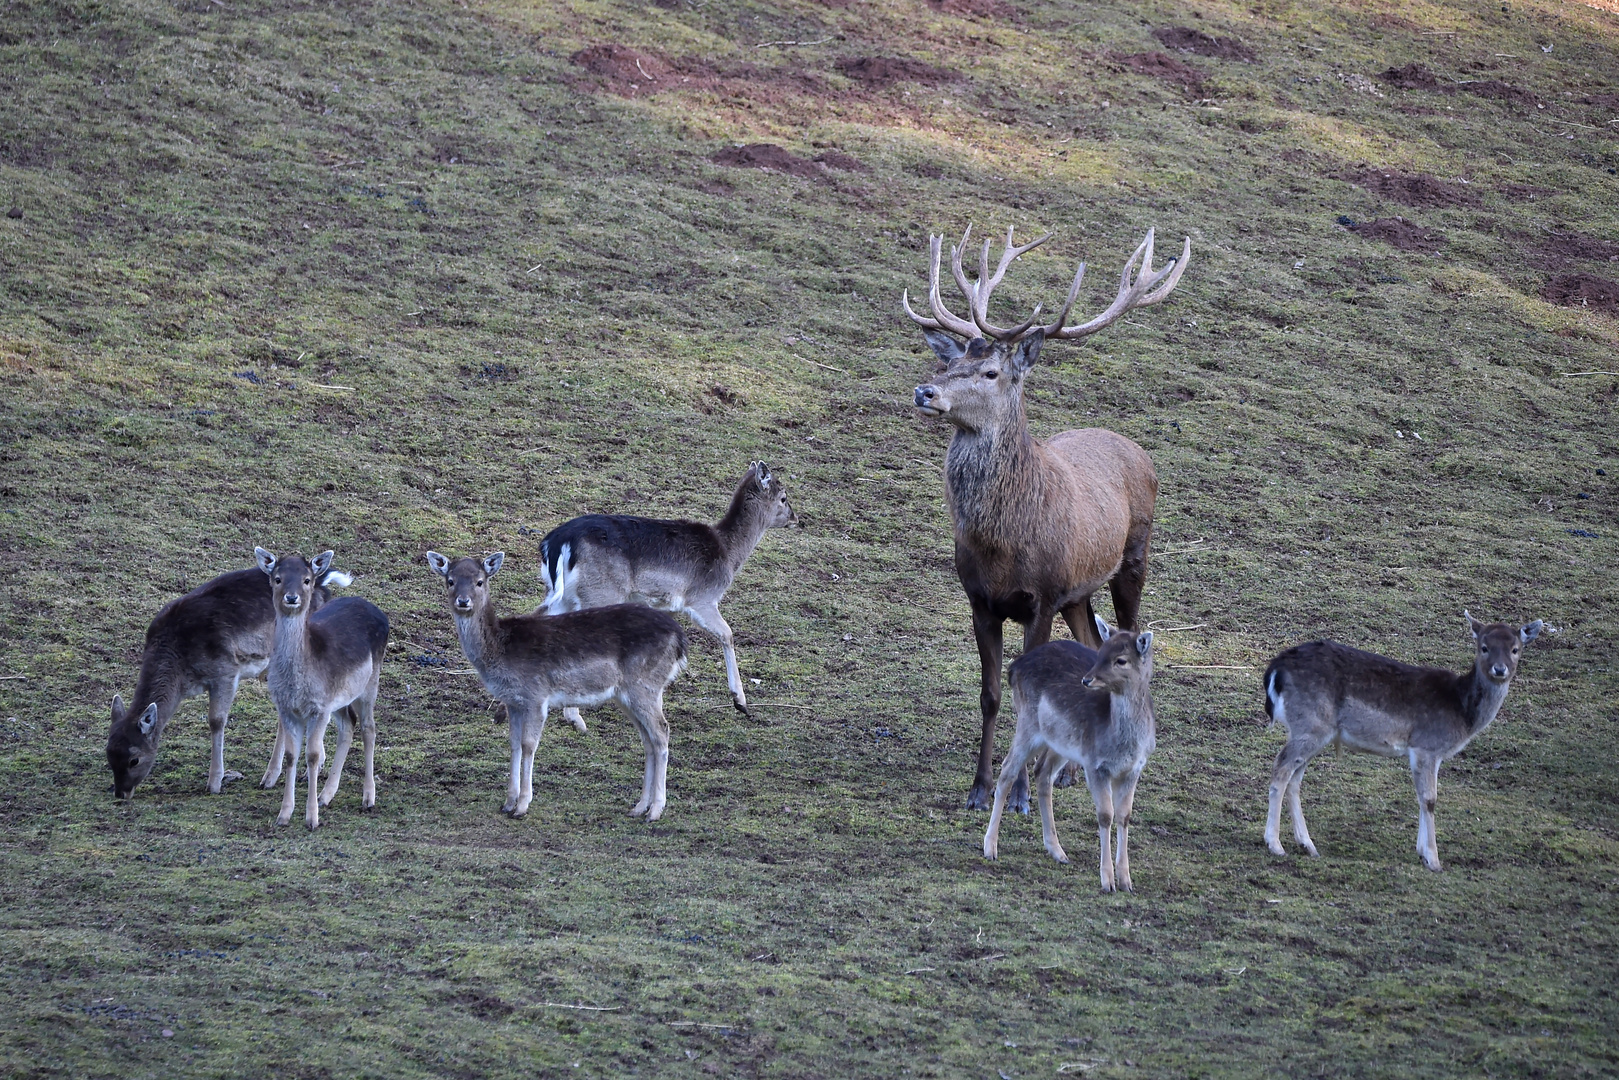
(290, 599)
(925, 394)
(1499, 671)
(1088, 680)
(463, 603)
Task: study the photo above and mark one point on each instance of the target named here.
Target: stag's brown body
(1040, 526)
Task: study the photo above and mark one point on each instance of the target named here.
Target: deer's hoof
(1276, 847)
(742, 707)
(980, 797)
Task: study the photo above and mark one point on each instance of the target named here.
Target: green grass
(581, 312)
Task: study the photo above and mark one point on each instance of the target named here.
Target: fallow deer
(206, 641)
(625, 653)
(325, 661)
(1040, 525)
(1093, 708)
(687, 566)
(1324, 693)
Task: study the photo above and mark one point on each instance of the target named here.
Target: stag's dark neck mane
(992, 477)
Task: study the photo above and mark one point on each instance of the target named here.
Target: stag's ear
(149, 719)
(1103, 630)
(119, 709)
(1532, 631)
(493, 563)
(945, 347)
(322, 563)
(266, 560)
(1027, 353)
(1476, 627)
(1144, 643)
(439, 564)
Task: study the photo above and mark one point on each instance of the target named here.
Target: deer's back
(1076, 721)
(346, 632)
(653, 560)
(1379, 704)
(595, 643)
(1108, 470)
(218, 626)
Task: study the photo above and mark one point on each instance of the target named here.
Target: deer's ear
(119, 709)
(944, 346)
(1532, 631)
(1144, 643)
(321, 563)
(1473, 625)
(1027, 353)
(149, 719)
(265, 559)
(1103, 630)
(439, 564)
(493, 563)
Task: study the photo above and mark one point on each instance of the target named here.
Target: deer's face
(1500, 646)
(1125, 660)
(467, 580)
(292, 579)
(131, 747)
(978, 385)
(768, 489)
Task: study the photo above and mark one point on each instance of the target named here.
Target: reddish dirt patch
(1163, 66)
(1607, 101)
(1500, 91)
(770, 158)
(1403, 234)
(1187, 40)
(1560, 249)
(631, 72)
(1583, 290)
(1412, 77)
(837, 159)
(1413, 189)
(886, 70)
(1526, 192)
(976, 9)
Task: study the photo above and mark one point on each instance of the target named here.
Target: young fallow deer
(626, 653)
(206, 641)
(1324, 693)
(1086, 706)
(602, 559)
(325, 661)
(1040, 525)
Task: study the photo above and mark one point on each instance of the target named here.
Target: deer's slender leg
(345, 740)
(1290, 763)
(278, 758)
(657, 727)
(1101, 785)
(314, 757)
(1043, 777)
(367, 707)
(987, 631)
(708, 617)
(1301, 831)
(643, 728)
(515, 712)
(1124, 800)
(571, 715)
(1024, 746)
(1425, 774)
(533, 728)
(291, 738)
(221, 695)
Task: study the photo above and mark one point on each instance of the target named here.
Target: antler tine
(1163, 285)
(1139, 286)
(942, 317)
(980, 293)
(1068, 305)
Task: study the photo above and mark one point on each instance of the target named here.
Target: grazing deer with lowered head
(626, 653)
(206, 641)
(1040, 525)
(325, 661)
(1092, 707)
(1324, 693)
(602, 559)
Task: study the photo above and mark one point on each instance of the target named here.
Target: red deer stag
(1040, 525)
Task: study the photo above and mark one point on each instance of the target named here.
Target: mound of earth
(1413, 77)
(837, 159)
(1500, 91)
(1187, 40)
(885, 70)
(1413, 189)
(977, 9)
(1560, 249)
(1163, 66)
(1403, 234)
(1583, 290)
(773, 158)
(631, 72)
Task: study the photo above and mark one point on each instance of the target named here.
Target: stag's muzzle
(929, 400)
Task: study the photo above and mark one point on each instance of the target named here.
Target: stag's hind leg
(1131, 578)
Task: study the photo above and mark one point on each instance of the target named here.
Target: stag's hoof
(980, 797)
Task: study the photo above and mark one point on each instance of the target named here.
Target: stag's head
(979, 380)
(1500, 645)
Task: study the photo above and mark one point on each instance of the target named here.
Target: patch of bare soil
(837, 159)
(886, 70)
(1608, 101)
(1560, 249)
(1403, 234)
(977, 9)
(1420, 190)
(1187, 40)
(1413, 77)
(1500, 91)
(1163, 66)
(1526, 192)
(772, 158)
(629, 72)
(1583, 290)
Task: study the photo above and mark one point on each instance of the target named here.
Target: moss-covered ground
(388, 276)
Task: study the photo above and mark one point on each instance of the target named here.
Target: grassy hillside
(385, 277)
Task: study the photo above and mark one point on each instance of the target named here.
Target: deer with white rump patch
(1089, 706)
(1324, 693)
(626, 653)
(206, 641)
(1040, 525)
(326, 661)
(673, 565)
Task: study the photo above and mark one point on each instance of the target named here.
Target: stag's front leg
(1425, 773)
(221, 695)
(987, 630)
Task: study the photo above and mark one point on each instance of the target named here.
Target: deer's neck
(480, 638)
(739, 530)
(162, 682)
(1482, 698)
(992, 477)
(290, 653)
(1133, 708)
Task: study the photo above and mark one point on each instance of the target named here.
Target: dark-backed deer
(1040, 525)
(627, 654)
(1094, 708)
(206, 641)
(602, 559)
(1324, 693)
(325, 661)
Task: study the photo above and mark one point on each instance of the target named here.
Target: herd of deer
(1040, 527)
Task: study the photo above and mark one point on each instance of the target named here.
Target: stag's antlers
(1139, 286)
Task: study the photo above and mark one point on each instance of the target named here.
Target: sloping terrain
(385, 277)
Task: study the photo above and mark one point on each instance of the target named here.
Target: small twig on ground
(818, 364)
(762, 956)
(1572, 374)
(769, 705)
(1215, 667)
(533, 268)
(913, 971)
(768, 44)
(582, 1008)
(1172, 629)
(994, 956)
(329, 386)
(693, 1023)
(7, 678)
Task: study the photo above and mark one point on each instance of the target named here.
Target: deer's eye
(276, 579)
(480, 583)
(1121, 662)
(306, 581)
(992, 374)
